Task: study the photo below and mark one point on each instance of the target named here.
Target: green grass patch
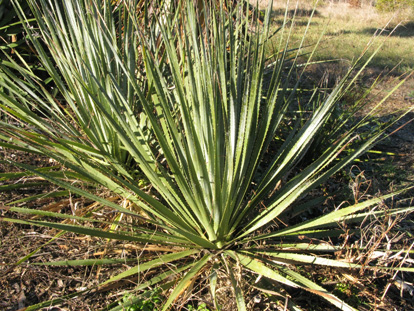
(349, 30)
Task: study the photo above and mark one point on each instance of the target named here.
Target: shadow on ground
(297, 13)
(403, 31)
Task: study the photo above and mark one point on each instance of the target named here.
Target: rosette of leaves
(183, 102)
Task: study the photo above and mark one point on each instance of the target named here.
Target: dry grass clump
(343, 11)
(364, 14)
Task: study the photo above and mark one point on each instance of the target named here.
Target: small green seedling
(201, 307)
(145, 302)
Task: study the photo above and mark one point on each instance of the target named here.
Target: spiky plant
(187, 105)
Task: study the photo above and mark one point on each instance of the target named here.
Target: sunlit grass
(348, 31)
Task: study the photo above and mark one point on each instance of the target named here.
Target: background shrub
(393, 5)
